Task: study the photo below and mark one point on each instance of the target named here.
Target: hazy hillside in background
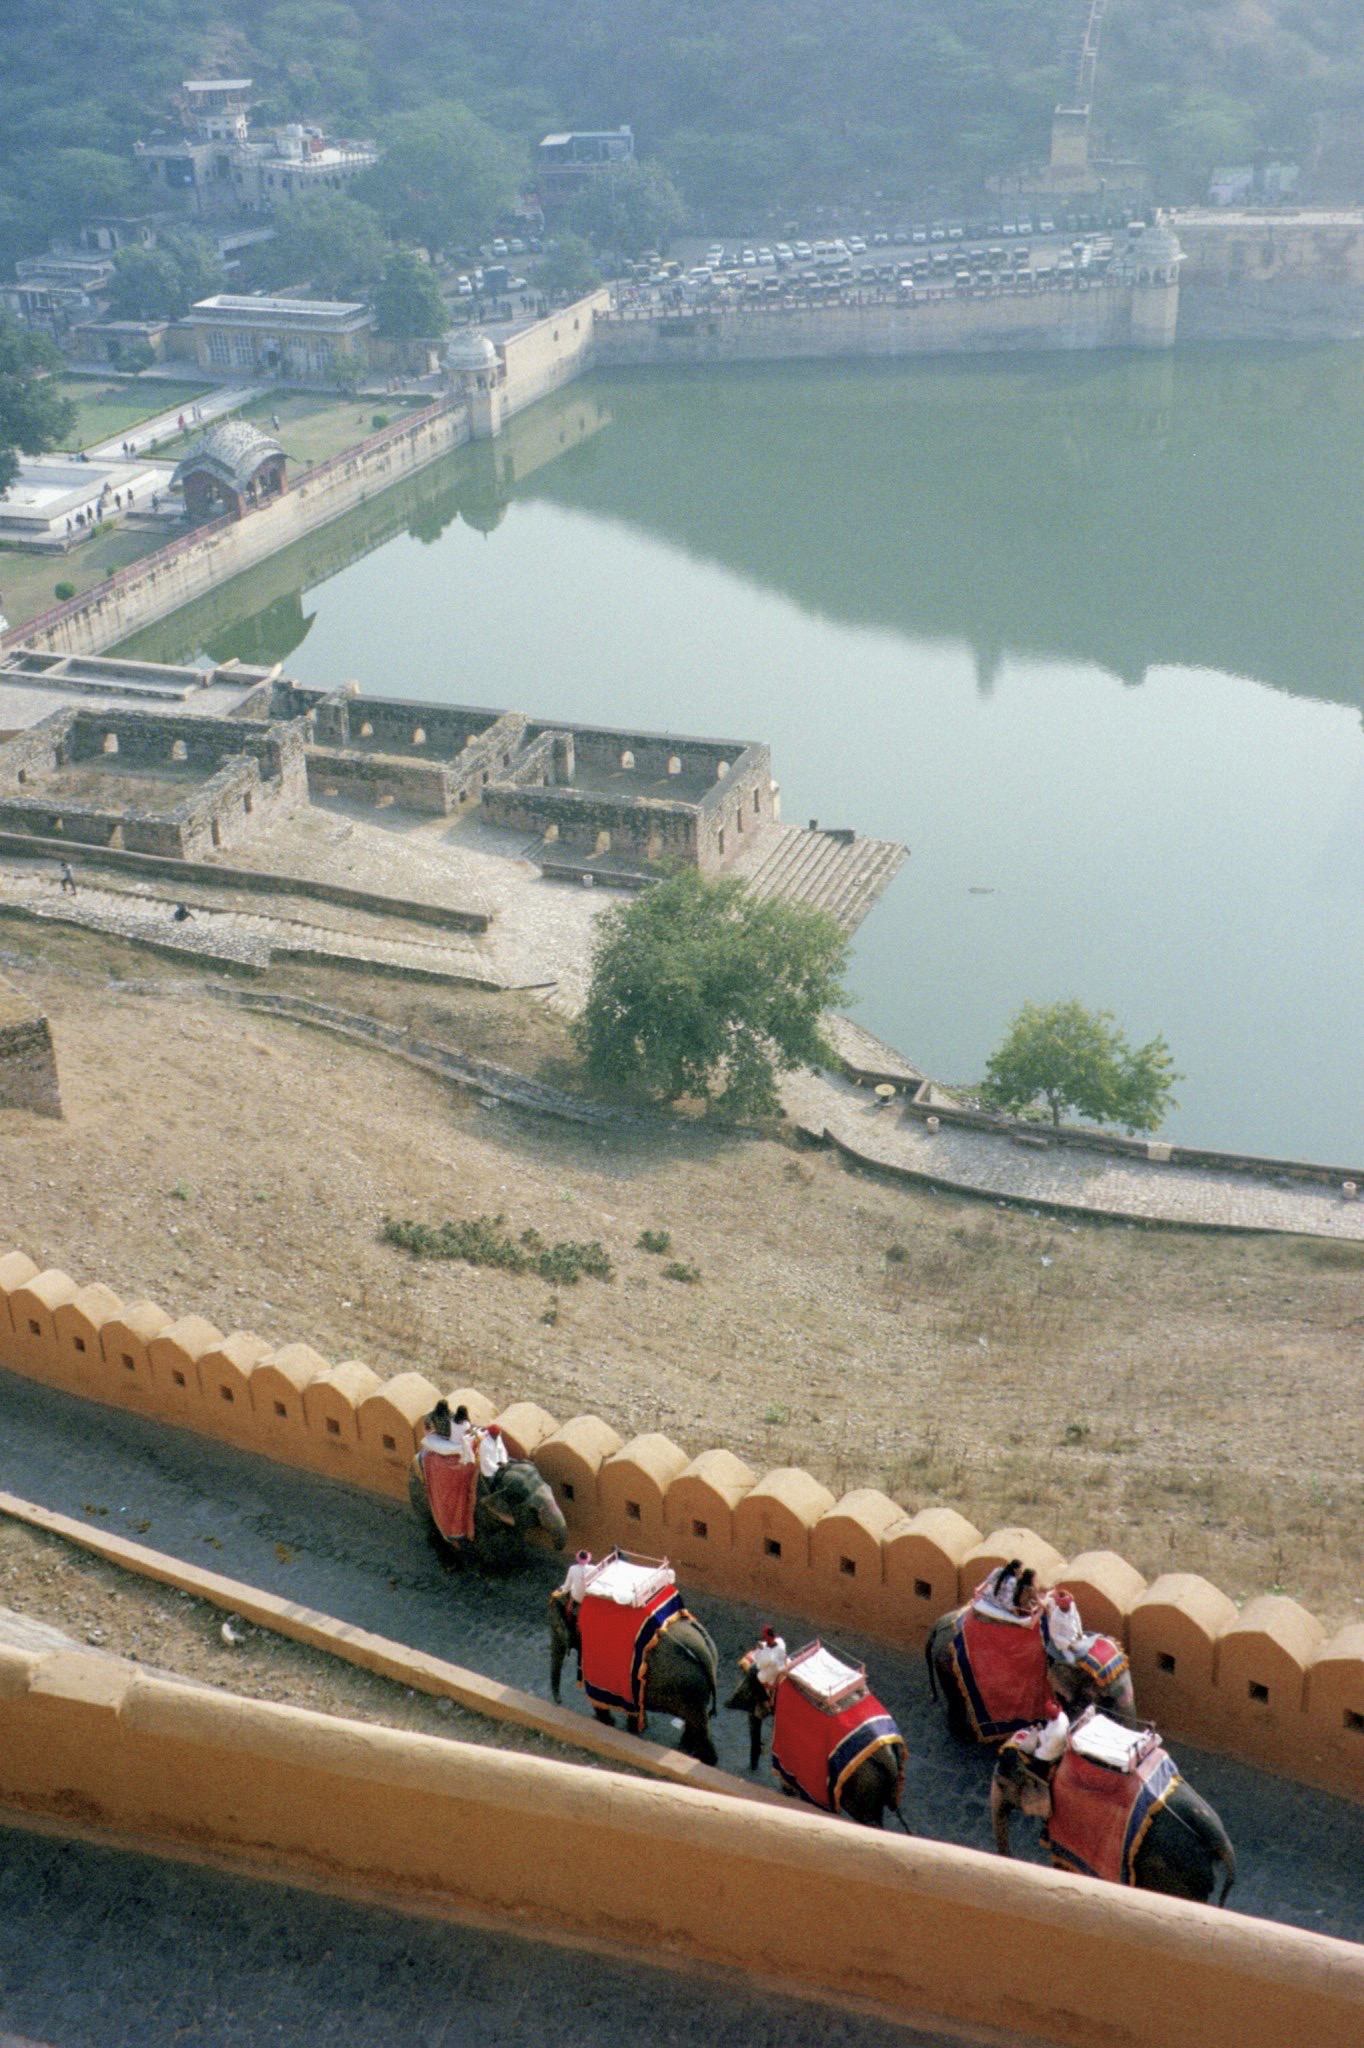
(759, 107)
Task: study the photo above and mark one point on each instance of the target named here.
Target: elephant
(681, 1680)
(872, 1790)
(1074, 1686)
(508, 1509)
(1179, 1853)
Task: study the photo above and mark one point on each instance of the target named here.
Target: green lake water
(1087, 634)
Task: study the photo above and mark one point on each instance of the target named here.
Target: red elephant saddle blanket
(815, 1752)
(1103, 1662)
(1099, 1816)
(617, 1643)
(451, 1491)
(1002, 1669)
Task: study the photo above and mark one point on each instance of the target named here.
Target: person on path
(182, 914)
(68, 879)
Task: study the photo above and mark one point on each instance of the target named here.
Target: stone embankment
(838, 872)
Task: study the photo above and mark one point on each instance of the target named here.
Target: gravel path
(365, 1560)
(1105, 1186)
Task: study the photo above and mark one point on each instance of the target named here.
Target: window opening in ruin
(1259, 1693)
(246, 803)
(721, 770)
(848, 1567)
(922, 1589)
(771, 1547)
(567, 1489)
(627, 759)
(367, 731)
(632, 1513)
(227, 1395)
(419, 736)
(700, 1530)
(34, 1329)
(721, 837)
(79, 1343)
(551, 834)
(603, 842)
(179, 751)
(215, 833)
(1164, 1661)
(674, 765)
(333, 1426)
(739, 821)
(1354, 1723)
(178, 1377)
(390, 1443)
(757, 803)
(111, 742)
(280, 1409)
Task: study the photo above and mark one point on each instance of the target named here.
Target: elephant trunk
(1227, 1857)
(550, 1517)
(1001, 1813)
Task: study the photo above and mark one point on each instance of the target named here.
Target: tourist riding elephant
(683, 1669)
(1179, 1853)
(508, 1510)
(868, 1793)
(1102, 1680)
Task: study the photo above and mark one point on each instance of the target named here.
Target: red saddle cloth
(815, 1753)
(1099, 1816)
(451, 1490)
(616, 1642)
(1003, 1673)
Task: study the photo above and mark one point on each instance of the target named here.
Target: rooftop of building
(234, 450)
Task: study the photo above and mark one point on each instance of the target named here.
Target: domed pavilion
(234, 467)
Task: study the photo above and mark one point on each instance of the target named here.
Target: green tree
(1078, 1059)
(628, 207)
(330, 241)
(164, 282)
(408, 305)
(569, 270)
(445, 180)
(33, 413)
(700, 989)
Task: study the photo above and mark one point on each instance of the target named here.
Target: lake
(1087, 634)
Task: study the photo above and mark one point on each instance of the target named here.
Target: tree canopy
(569, 270)
(700, 989)
(627, 208)
(164, 282)
(329, 241)
(1071, 1058)
(446, 178)
(408, 305)
(33, 413)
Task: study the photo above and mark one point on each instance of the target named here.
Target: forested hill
(752, 105)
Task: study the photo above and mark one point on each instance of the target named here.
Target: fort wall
(923, 1928)
(1264, 1683)
(1271, 277)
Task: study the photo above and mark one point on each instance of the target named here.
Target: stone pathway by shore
(1133, 1189)
(166, 425)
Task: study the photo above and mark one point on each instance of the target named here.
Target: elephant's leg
(755, 1741)
(604, 1715)
(557, 1648)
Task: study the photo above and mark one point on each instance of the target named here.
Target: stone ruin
(28, 1064)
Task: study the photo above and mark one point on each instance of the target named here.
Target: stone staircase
(833, 871)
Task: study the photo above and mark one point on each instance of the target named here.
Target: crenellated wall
(1263, 1682)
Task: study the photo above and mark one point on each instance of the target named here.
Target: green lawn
(312, 425)
(27, 580)
(109, 406)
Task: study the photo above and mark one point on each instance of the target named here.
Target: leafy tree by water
(330, 242)
(627, 208)
(569, 270)
(700, 989)
(1075, 1059)
(164, 282)
(446, 179)
(33, 413)
(408, 305)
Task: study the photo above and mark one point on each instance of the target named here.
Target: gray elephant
(507, 1511)
(681, 1678)
(1180, 1852)
(869, 1792)
(1101, 1679)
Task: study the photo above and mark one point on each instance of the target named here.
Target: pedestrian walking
(68, 879)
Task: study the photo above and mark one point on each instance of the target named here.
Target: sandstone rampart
(1264, 1683)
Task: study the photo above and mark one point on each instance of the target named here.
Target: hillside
(759, 110)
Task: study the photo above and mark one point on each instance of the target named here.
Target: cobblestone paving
(104, 1948)
(1134, 1188)
(365, 1560)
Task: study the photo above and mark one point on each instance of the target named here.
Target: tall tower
(1151, 264)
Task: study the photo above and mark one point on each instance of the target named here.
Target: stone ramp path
(979, 1162)
(365, 1560)
(244, 938)
(831, 872)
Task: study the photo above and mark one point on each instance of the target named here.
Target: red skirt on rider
(451, 1491)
